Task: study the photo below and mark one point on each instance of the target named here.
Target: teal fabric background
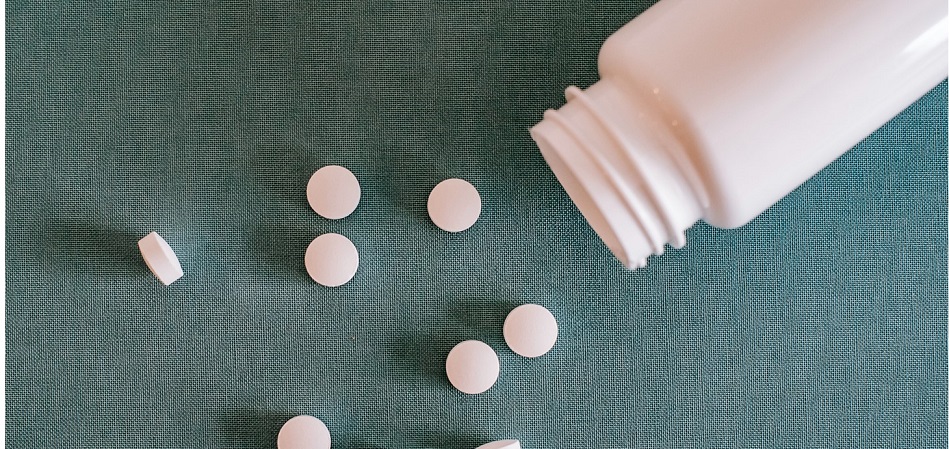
(820, 324)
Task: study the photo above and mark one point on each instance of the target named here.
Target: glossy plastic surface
(716, 110)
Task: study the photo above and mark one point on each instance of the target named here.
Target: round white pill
(333, 192)
(501, 444)
(454, 205)
(160, 258)
(331, 260)
(303, 432)
(530, 330)
(472, 367)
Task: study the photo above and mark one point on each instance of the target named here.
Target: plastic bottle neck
(617, 158)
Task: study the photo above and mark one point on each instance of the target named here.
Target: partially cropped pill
(501, 444)
(160, 258)
(303, 432)
(333, 192)
(454, 205)
(331, 260)
(530, 330)
(472, 367)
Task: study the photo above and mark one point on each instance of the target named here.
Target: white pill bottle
(716, 109)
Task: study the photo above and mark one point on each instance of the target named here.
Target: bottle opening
(578, 193)
(618, 170)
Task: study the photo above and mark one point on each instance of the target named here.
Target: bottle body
(716, 110)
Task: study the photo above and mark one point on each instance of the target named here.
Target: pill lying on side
(501, 444)
(160, 258)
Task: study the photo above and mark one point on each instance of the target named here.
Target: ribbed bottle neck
(617, 157)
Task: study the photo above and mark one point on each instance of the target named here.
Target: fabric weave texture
(822, 323)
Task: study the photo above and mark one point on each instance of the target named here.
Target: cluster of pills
(333, 192)
(331, 259)
(307, 432)
(473, 367)
(454, 205)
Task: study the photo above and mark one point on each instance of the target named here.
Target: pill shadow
(361, 445)
(90, 248)
(449, 442)
(483, 317)
(248, 427)
(408, 187)
(424, 352)
(419, 438)
(282, 244)
(364, 445)
(471, 319)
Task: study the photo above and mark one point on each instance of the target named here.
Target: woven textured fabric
(820, 324)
